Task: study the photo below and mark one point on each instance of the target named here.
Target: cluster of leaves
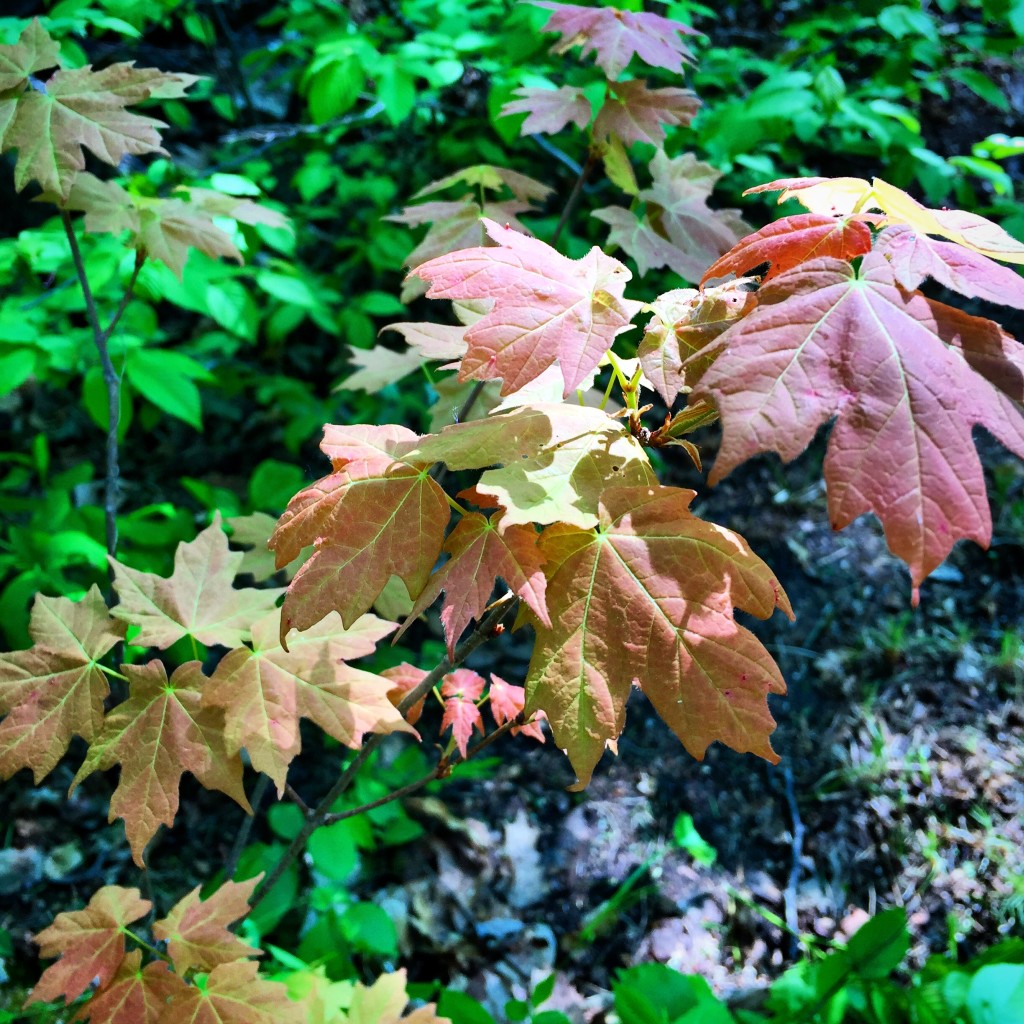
(200, 971)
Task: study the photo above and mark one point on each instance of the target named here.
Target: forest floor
(901, 783)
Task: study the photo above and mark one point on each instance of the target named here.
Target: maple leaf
(634, 113)
(383, 1002)
(895, 369)
(648, 598)
(636, 236)
(487, 176)
(156, 735)
(164, 229)
(479, 552)
(460, 690)
(546, 307)
(685, 322)
(135, 995)
(266, 690)
(196, 931)
(234, 994)
(549, 110)
(378, 367)
(55, 690)
(913, 257)
(196, 600)
(793, 240)
(614, 36)
(34, 51)
(677, 207)
(89, 942)
(50, 123)
(555, 460)
(506, 702)
(434, 341)
(845, 196)
(373, 518)
(404, 678)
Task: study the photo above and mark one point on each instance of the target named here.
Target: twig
(799, 831)
(574, 196)
(441, 770)
(101, 339)
(483, 632)
(258, 793)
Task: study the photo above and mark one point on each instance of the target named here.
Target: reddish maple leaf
(913, 257)
(461, 690)
(648, 598)
(793, 240)
(50, 123)
(684, 322)
(156, 735)
(546, 307)
(235, 994)
(555, 460)
(404, 679)
(895, 369)
(135, 995)
(265, 691)
(196, 931)
(374, 517)
(613, 36)
(506, 702)
(479, 552)
(89, 942)
(55, 689)
(634, 113)
(197, 599)
(550, 110)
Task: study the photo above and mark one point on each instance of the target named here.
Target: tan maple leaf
(383, 1003)
(264, 691)
(196, 931)
(55, 690)
(50, 123)
(234, 994)
(196, 600)
(135, 995)
(156, 735)
(90, 943)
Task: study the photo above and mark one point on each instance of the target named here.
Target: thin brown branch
(111, 378)
(574, 195)
(484, 631)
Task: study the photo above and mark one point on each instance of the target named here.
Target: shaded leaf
(506, 702)
(156, 735)
(549, 110)
(89, 942)
(404, 678)
(196, 600)
(634, 113)
(648, 598)
(55, 690)
(546, 307)
(135, 995)
(684, 322)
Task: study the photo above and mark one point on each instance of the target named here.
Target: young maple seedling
(620, 582)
